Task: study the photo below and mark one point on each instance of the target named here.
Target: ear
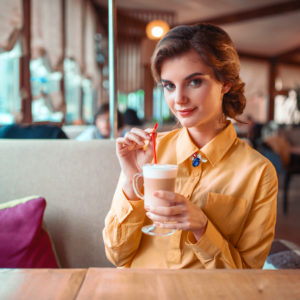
(226, 87)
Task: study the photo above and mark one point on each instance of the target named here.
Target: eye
(169, 86)
(195, 82)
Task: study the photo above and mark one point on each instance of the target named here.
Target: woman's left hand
(179, 213)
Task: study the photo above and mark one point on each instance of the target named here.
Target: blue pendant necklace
(196, 158)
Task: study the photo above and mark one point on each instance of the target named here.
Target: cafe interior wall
(255, 74)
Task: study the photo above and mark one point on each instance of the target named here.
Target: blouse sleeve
(122, 232)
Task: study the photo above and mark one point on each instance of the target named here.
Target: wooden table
(100, 283)
(38, 284)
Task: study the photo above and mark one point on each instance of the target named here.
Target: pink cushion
(23, 241)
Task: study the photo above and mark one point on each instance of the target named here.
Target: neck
(203, 135)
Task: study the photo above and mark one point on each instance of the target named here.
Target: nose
(180, 96)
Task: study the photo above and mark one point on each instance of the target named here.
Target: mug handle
(135, 179)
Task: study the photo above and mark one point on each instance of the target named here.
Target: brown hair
(216, 49)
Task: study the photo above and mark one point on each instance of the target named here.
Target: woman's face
(103, 125)
(192, 91)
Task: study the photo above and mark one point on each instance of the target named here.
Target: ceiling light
(156, 29)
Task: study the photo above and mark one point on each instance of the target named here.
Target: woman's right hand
(133, 151)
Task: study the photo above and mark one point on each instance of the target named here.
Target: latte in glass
(158, 177)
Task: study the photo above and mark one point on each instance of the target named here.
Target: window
(286, 109)
(72, 90)
(45, 88)
(88, 101)
(79, 94)
(161, 111)
(10, 99)
(134, 100)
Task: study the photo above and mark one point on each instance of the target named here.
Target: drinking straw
(153, 142)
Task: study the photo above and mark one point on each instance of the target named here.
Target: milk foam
(160, 171)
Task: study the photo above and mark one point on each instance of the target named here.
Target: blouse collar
(213, 151)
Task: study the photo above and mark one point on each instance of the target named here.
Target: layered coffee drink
(158, 177)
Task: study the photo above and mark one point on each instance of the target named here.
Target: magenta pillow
(23, 241)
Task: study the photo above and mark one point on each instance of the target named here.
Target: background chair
(36, 131)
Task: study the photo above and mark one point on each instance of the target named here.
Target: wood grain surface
(142, 284)
(190, 284)
(44, 284)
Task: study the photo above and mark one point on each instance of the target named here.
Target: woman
(225, 200)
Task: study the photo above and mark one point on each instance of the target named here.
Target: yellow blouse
(236, 188)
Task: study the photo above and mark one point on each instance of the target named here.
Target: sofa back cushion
(78, 180)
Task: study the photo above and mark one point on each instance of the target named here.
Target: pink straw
(153, 142)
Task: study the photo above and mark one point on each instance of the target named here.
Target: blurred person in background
(101, 127)
(131, 120)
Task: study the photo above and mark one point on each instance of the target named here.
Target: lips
(185, 112)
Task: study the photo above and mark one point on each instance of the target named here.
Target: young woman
(224, 209)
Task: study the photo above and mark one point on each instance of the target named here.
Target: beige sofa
(77, 179)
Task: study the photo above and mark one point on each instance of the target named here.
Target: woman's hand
(133, 154)
(179, 212)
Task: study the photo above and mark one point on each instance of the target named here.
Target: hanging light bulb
(156, 29)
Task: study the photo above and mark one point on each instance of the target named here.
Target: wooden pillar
(148, 88)
(25, 85)
(272, 92)
(100, 98)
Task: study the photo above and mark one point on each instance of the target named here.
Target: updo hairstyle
(216, 49)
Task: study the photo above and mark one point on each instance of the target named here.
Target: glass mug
(156, 177)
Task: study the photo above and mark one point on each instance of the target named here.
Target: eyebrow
(187, 77)
(194, 74)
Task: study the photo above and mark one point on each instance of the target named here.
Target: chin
(187, 123)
